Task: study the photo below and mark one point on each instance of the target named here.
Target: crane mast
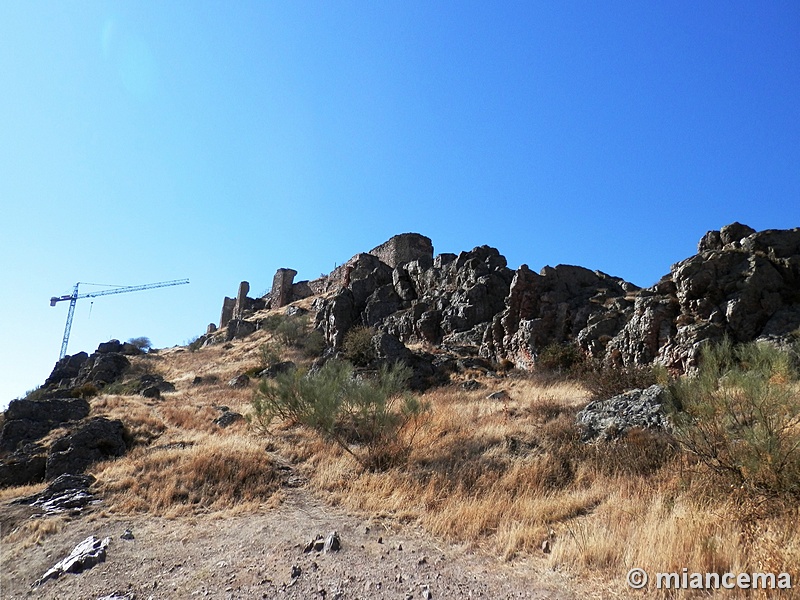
(75, 296)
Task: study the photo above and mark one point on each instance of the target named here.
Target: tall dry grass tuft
(198, 474)
(34, 532)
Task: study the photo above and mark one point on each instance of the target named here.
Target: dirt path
(253, 556)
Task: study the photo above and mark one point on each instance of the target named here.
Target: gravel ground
(262, 556)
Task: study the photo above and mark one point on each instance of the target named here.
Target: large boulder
(24, 466)
(66, 369)
(239, 329)
(101, 369)
(95, 440)
(28, 420)
(636, 409)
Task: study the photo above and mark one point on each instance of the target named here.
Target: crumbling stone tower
(404, 248)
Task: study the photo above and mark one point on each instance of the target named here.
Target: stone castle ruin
(742, 284)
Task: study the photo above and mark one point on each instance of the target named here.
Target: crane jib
(75, 296)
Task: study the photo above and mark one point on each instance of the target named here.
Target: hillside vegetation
(508, 476)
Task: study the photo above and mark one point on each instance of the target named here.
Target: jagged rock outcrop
(742, 284)
(104, 366)
(28, 420)
(92, 441)
(25, 465)
(451, 299)
(559, 304)
(66, 493)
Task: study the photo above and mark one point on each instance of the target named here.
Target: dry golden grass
(506, 475)
(500, 476)
(200, 473)
(34, 532)
(20, 491)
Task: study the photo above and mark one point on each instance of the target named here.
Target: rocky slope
(468, 311)
(742, 284)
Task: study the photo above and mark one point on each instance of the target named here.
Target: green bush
(271, 322)
(314, 343)
(294, 332)
(87, 390)
(559, 357)
(604, 381)
(366, 417)
(195, 343)
(268, 355)
(741, 416)
(142, 343)
(357, 345)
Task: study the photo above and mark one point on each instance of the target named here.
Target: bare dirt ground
(254, 555)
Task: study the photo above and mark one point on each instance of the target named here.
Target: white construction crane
(75, 296)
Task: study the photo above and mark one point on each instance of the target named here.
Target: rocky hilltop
(441, 315)
(742, 284)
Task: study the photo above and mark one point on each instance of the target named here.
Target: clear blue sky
(145, 141)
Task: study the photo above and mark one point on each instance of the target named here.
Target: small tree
(741, 416)
(357, 345)
(366, 417)
(142, 343)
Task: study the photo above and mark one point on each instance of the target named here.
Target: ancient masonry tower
(397, 251)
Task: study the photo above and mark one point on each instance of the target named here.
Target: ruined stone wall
(282, 292)
(404, 248)
(227, 311)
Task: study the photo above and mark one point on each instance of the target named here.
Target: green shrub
(268, 354)
(142, 343)
(195, 343)
(87, 390)
(741, 416)
(293, 331)
(314, 343)
(604, 381)
(366, 417)
(357, 345)
(271, 322)
(559, 357)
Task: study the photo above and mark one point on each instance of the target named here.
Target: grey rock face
(742, 283)
(66, 493)
(559, 304)
(239, 328)
(29, 420)
(96, 439)
(24, 466)
(101, 369)
(282, 292)
(612, 418)
(66, 369)
(109, 346)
